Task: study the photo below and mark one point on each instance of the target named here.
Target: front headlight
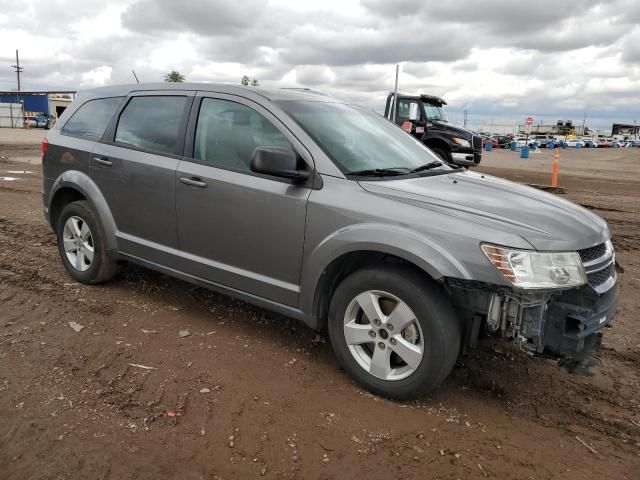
(462, 142)
(530, 269)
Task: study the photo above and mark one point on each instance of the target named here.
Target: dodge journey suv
(329, 213)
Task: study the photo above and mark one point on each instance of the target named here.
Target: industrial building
(16, 105)
(626, 130)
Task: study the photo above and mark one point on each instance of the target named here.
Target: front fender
(401, 242)
(82, 183)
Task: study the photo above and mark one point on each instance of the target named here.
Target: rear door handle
(193, 182)
(103, 161)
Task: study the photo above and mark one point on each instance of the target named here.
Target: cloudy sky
(498, 59)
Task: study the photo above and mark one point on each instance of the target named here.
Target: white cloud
(501, 59)
(96, 77)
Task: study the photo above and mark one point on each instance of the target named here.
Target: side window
(91, 119)
(227, 134)
(404, 107)
(151, 123)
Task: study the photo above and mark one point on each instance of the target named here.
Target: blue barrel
(564, 145)
(524, 152)
(578, 145)
(614, 145)
(514, 145)
(488, 146)
(588, 144)
(551, 145)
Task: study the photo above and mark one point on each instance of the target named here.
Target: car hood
(546, 221)
(452, 128)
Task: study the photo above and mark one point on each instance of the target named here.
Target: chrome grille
(596, 279)
(600, 266)
(593, 253)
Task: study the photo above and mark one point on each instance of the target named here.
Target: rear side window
(151, 123)
(91, 119)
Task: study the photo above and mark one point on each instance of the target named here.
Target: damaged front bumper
(553, 323)
(564, 324)
(561, 324)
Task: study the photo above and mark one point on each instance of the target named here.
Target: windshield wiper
(380, 172)
(426, 166)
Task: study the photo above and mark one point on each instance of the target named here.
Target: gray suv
(328, 213)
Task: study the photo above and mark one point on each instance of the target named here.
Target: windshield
(357, 139)
(435, 112)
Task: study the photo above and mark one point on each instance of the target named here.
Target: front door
(134, 167)
(237, 228)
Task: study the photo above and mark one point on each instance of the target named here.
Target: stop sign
(529, 121)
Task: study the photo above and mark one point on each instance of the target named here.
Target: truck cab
(423, 116)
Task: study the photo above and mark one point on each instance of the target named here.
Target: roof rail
(305, 89)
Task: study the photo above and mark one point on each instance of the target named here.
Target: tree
(246, 81)
(174, 76)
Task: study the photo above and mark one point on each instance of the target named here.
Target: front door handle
(103, 161)
(193, 182)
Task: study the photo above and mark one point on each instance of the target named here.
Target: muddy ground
(250, 394)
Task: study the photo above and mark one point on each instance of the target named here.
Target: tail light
(45, 146)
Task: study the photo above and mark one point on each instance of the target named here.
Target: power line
(17, 68)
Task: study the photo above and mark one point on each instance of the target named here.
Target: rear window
(91, 119)
(151, 123)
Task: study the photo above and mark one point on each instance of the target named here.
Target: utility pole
(466, 117)
(584, 119)
(18, 68)
(395, 96)
(135, 76)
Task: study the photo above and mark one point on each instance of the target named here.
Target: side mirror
(413, 111)
(279, 162)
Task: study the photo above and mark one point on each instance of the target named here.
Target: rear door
(238, 228)
(70, 146)
(134, 167)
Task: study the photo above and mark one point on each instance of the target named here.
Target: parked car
(589, 141)
(574, 143)
(39, 121)
(503, 141)
(540, 140)
(521, 141)
(328, 213)
(494, 142)
(424, 117)
(604, 143)
(632, 144)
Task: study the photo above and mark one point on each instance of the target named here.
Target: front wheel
(444, 155)
(394, 331)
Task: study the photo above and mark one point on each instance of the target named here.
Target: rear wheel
(81, 244)
(394, 331)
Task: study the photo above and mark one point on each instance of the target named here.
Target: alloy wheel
(78, 243)
(383, 335)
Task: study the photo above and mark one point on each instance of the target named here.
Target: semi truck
(423, 116)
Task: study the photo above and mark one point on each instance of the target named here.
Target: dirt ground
(250, 394)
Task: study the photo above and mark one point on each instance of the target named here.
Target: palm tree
(174, 76)
(245, 80)
(254, 83)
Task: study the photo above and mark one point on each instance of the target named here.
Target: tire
(444, 155)
(434, 330)
(89, 264)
